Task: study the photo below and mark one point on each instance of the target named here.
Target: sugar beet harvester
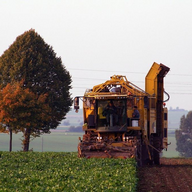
(111, 129)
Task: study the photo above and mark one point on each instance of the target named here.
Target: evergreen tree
(184, 136)
(31, 60)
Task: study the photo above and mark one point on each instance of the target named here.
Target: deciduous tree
(30, 59)
(22, 110)
(184, 136)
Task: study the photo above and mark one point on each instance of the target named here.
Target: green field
(171, 151)
(62, 171)
(57, 141)
(60, 141)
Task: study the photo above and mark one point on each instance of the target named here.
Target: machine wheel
(156, 157)
(142, 153)
(156, 154)
(138, 155)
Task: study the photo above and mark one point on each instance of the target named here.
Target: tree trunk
(26, 139)
(10, 141)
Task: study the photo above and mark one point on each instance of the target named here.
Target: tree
(184, 136)
(30, 59)
(17, 107)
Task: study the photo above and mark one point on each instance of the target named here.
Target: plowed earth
(173, 175)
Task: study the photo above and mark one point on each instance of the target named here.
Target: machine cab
(111, 115)
(105, 114)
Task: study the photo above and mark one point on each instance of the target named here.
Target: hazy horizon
(97, 39)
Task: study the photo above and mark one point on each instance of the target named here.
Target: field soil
(173, 175)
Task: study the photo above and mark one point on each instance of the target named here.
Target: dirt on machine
(122, 120)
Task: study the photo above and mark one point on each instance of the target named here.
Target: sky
(100, 38)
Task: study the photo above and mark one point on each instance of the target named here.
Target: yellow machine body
(111, 131)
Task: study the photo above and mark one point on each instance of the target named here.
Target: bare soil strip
(173, 175)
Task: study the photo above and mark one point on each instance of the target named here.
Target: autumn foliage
(23, 110)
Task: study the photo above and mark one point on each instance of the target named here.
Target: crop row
(61, 171)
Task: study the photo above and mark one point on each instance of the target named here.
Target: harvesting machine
(112, 130)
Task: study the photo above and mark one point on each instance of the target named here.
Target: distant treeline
(75, 129)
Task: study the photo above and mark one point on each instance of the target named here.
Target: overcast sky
(97, 39)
